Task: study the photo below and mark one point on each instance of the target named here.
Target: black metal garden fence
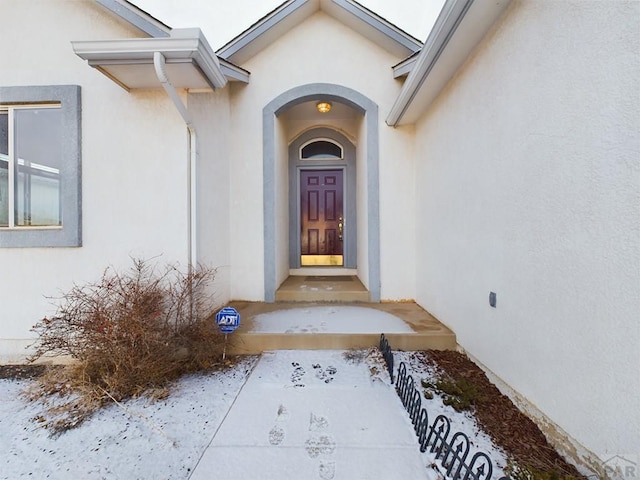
(452, 451)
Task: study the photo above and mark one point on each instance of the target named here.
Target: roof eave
(136, 17)
(293, 12)
(233, 72)
(405, 67)
(185, 47)
(370, 24)
(460, 26)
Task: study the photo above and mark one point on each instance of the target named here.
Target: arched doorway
(277, 221)
(322, 200)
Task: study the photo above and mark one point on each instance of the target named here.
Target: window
(40, 201)
(321, 149)
(30, 176)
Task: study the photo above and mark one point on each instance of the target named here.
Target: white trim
(293, 12)
(405, 67)
(404, 42)
(187, 45)
(234, 72)
(11, 170)
(136, 17)
(458, 29)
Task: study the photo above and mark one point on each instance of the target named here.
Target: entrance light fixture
(323, 107)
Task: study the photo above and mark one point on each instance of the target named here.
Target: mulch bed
(21, 372)
(516, 433)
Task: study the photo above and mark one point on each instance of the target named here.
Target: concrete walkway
(314, 415)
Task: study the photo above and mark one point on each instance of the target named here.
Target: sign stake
(224, 349)
(228, 320)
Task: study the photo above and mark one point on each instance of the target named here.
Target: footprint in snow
(317, 422)
(325, 374)
(323, 444)
(276, 434)
(298, 373)
(283, 414)
(327, 470)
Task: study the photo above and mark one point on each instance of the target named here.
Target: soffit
(293, 12)
(190, 62)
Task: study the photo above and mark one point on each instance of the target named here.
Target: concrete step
(319, 288)
(424, 331)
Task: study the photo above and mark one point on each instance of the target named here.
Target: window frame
(68, 98)
(317, 140)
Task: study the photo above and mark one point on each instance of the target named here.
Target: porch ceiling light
(323, 107)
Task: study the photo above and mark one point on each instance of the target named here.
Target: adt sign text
(228, 319)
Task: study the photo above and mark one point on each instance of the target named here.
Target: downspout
(159, 64)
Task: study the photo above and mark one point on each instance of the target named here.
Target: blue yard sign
(228, 319)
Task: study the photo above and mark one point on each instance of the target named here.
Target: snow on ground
(460, 421)
(146, 440)
(328, 415)
(325, 319)
(315, 415)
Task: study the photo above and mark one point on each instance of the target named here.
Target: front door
(321, 217)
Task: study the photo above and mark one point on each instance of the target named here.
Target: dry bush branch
(129, 333)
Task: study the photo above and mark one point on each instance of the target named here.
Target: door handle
(340, 227)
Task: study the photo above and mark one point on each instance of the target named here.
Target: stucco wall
(133, 164)
(529, 186)
(210, 113)
(313, 52)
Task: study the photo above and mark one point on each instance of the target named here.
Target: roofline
(483, 15)
(452, 13)
(402, 39)
(404, 67)
(259, 27)
(234, 72)
(381, 24)
(137, 17)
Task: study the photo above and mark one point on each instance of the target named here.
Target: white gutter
(446, 24)
(459, 28)
(192, 221)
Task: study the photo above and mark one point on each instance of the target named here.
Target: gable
(324, 49)
(293, 12)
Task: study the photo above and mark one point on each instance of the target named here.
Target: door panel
(321, 209)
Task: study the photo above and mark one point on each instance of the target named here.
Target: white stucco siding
(397, 214)
(528, 185)
(134, 161)
(320, 50)
(210, 113)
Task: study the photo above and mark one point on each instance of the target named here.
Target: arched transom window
(321, 148)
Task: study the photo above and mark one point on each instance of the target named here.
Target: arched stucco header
(277, 106)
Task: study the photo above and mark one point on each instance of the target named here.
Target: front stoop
(428, 332)
(318, 288)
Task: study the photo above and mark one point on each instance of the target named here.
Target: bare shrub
(129, 333)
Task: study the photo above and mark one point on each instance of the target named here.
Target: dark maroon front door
(321, 198)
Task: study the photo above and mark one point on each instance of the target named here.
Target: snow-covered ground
(144, 440)
(334, 319)
(460, 421)
(290, 415)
